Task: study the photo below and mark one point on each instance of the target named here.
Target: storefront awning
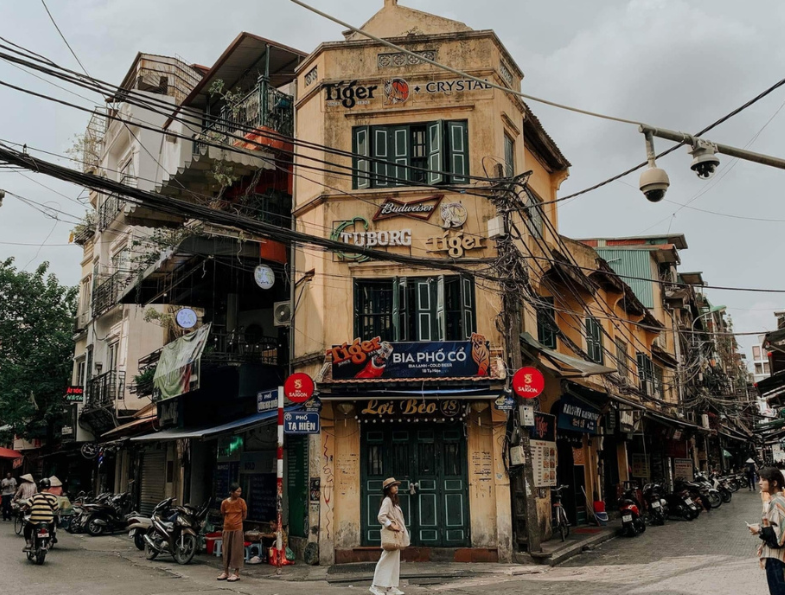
(672, 420)
(566, 366)
(775, 382)
(239, 425)
(7, 453)
(130, 427)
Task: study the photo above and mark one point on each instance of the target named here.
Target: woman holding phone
(772, 529)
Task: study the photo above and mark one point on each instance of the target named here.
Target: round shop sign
(264, 276)
(186, 318)
(528, 383)
(298, 388)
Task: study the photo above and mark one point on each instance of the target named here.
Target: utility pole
(511, 275)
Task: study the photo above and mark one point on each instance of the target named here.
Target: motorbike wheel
(40, 557)
(714, 500)
(687, 514)
(641, 525)
(19, 526)
(139, 541)
(630, 530)
(149, 552)
(94, 529)
(183, 555)
(726, 496)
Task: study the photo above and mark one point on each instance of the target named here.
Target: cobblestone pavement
(712, 554)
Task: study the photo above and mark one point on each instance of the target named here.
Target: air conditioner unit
(282, 313)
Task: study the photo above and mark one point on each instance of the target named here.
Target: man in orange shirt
(234, 512)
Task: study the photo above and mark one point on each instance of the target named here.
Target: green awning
(726, 454)
(567, 366)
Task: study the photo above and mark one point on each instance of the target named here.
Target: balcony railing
(106, 294)
(108, 211)
(93, 143)
(263, 107)
(237, 348)
(104, 390)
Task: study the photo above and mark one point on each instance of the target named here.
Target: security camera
(654, 183)
(704, 159)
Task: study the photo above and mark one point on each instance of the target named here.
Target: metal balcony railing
(108, 211)
(93, 143)
(106, 294)
(238, 348)
(262, 107)
(104, 390)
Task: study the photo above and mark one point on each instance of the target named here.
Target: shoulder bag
(393, 540)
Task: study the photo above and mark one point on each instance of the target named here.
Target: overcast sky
(671, 63)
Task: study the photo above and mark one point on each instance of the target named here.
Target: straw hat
(55, 483)
(27, 477)
(389, 482)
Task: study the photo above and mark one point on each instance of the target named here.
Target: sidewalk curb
(573, 549)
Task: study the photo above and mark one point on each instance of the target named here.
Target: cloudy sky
(671, 63)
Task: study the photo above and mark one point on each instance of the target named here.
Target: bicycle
(560, 522)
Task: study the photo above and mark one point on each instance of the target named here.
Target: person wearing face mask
(772, 529)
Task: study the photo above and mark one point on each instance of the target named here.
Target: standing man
(7, 489)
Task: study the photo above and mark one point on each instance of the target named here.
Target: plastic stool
(251, 550)
(218, 548)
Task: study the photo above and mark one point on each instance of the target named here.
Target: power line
(51, 18)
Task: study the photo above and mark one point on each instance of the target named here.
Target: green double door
(430, 462)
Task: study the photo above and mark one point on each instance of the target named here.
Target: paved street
(712, 554)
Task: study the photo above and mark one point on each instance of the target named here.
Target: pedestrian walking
(234, 511)
(388, 569)
(750, 473)
(7, 489)
(772, 529)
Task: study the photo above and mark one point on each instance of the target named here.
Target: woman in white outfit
(388, 569)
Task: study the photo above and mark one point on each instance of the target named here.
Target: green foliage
(36, 349)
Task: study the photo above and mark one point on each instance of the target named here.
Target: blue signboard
(305, 422)
(504, 403)
(576, 416)
(379, 360)
(266, 400)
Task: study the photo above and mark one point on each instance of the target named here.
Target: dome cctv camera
(705, 160)
(654, 183)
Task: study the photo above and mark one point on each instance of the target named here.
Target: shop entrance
(430, 462)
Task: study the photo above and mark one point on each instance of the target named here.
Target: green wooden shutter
(358, 330)
(400, 142)
(441, 309)
(400, 310)
(361, 147)
(546, 323)
(509, 156)
(594, 340)
(382, 152)
(458, 135)
(424, 309)
(467, 307)
(436, 152)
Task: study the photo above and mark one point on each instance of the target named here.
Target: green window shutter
(458, 136)
(467, 307)
(425, 309)
(641, 368)
(436, 152)
(382, 152)
(594, 340)
(358, 330)
(441, 310)
(400, 141)
(400, 310)
(546, 323)
(361, 147)
(509, 156)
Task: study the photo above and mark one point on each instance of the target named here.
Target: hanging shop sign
(266, 400)
(168, 413)
(298, 388)
(454, 244)
(627, 420)
(264, 276)
(412, 410)
(683, 469)
(528, 383)
(74, 394)
(504, 403)
(301, 423)
(379, 360)
(349, 94)
(414, 209)
(18, 463)
(186, 318)
(577, 416)
(543, 449)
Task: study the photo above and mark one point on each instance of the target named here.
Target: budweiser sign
(417, 209)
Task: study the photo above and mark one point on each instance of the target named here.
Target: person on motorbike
(26, 489)
(43, 508)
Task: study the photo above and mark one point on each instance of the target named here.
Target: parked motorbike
(41, 542)
(106, 516)
(682, 505)
(698, 493)
(137, 526)
(632, 519)
(712, 493)
(656, 504)
(722, 485)
(174, 530)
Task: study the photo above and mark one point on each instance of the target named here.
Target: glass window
(622, 366)
(534, 221)
(759, 368)
(756, 352)
(547, 330)
(766, 368)
(509, 156)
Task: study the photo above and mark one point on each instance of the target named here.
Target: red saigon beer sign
(298, 388)
(528, 383)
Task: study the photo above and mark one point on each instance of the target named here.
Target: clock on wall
(186, 318)
(264, 276)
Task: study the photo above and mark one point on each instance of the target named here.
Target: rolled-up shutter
(153, 480)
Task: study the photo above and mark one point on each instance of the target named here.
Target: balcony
(109, 210)
(92, 145)
(226, 349)
(104, 390)
(84, 230)
(106, 295)
(264, 108)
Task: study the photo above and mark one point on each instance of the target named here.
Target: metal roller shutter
(153, 480)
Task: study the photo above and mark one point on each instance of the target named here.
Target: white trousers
(388, 569)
